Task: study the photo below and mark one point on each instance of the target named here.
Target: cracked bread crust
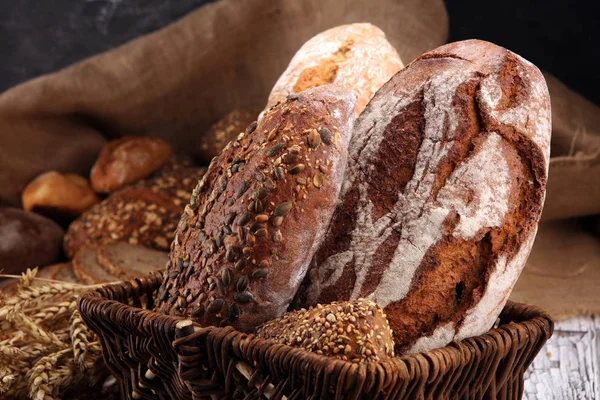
(443, 191)
(245, 240)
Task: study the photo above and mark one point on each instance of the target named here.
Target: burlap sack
(177, 81)
(228, 54)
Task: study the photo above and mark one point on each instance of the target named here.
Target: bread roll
(222, 132)
(355, 56)
(244, 242)
(59, 196)
(355, 330)
(27, 240)
(443, 192)
(127, 160)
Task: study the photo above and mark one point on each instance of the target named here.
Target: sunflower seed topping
(260, 273)
(215, 306)
(233, 312)
(252, 127)
(282, 209)
(325, 135)
(296, 169)
(279, 173)
(313, 139)
(242, 283)
(243, 297)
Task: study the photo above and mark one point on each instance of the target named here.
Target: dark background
(38, 37)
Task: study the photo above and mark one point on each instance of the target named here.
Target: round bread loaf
(243, 245)
(145, 213)
(127, 160)
(27, 240)
(58, 196)
(355, 56)
(355, 330)
(222, 132)
(443, 191)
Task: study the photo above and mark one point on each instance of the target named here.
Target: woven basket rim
(529, 317)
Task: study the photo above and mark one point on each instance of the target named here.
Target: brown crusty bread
(88, 269)
(128, 261)
(355, 330)
(127, 160)
(244, 242)
(60, 197)
(222, 132)
(27, 240)
(442, 195)
(145, 213)
(357, 57)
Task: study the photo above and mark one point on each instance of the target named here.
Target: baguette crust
(443, 192)
(357, 57)
(127, 160)
(245, 240)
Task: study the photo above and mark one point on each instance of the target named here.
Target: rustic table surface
(567, 368)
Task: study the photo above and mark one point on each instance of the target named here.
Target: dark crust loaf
(244, 242)
(222, 132)
(27, 240)
(355, 330)
(145, 213)
(443, 191)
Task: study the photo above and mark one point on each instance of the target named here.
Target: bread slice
(128, 261)
(88, 269)
(65, 273)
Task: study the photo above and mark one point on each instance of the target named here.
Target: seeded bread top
(356, 331)
(254, 221)
(222, 132)
(145, 213)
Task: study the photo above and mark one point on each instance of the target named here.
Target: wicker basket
(159, 356)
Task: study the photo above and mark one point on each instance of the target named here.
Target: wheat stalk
(44, 344)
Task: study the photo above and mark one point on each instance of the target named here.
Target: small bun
(127, 160)
(356, 331)
(57, 195)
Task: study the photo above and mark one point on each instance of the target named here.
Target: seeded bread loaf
(145, 213)
(60, 197)
(127, 160)
(222, 132)
(128, 261)
(355, 330)
(244, 242)
(27, 240)
(442, 195)
(357, 57)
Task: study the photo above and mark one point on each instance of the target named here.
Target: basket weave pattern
(154, 357)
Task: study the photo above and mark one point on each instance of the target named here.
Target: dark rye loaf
(443, 191)
(253, 223)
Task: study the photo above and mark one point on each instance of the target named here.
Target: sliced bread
(88, 269)
(128, 261)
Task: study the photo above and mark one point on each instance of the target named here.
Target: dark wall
(562, 37)
(37, 37)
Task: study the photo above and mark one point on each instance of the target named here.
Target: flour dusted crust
(443, 191)
(356, 56)
(253, 223)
